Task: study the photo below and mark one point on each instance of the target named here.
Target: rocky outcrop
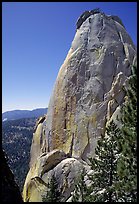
(89, 85)
(87, 94)
(37, 141)
(10, 190)
(85, 15)
(65, 171)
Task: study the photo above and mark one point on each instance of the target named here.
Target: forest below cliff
(16, 141)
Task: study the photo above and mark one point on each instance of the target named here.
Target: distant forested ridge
(16, 141)
(10, 191)
(18, 114)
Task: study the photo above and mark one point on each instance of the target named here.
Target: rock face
(87, 92)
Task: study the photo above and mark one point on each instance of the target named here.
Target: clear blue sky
(36, 37)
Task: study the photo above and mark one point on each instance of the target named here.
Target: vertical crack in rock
(69, 154)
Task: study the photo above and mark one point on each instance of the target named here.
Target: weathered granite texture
(86, 94)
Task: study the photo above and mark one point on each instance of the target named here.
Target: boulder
(65, 173)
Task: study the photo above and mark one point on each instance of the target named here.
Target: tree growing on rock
(80, 193)
(53, 194)
(104, 177)
(127, 165)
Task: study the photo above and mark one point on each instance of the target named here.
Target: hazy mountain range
(19, 114)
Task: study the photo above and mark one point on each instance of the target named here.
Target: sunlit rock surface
(86, 94)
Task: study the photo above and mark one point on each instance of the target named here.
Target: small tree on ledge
(53, 194)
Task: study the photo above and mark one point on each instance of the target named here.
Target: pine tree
(104, 177)
(80, 193)
(53, 194)
(127, 165)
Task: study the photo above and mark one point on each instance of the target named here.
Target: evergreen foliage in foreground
(80, 193)
(53, 194)
(105, 176)
(127, 166)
